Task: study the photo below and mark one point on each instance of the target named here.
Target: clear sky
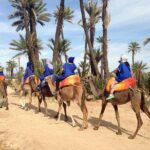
(130, 21)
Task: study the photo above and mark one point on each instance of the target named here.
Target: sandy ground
(25, 130)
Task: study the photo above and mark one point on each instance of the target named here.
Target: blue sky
(129, 22)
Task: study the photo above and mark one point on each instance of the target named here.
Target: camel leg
(20, 100)
(83, 108)
(70, 113)
(30, 100)
(39, 104)
(59, 111)
(7, 104)
(45, 105)
(136, 108)
(118, 119)
(104, 103)
(65, 112)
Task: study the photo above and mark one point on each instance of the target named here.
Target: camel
(134, 96)
(24, 90)
(45, 92)
(3, 94)
(66, 94)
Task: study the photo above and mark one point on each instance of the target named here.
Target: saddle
(121, 86)
(71, 80)
(2, 78)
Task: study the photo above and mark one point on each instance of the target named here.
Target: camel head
(51, 83)
(95, 91)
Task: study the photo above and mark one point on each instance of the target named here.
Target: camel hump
(71, 80)
(121, 86)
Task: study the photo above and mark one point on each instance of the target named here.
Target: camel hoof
(36, 112)
(56, 116)
(45, 115)
(81, 129)
(7, 108)
(57, 122)
(96, 128)
(131, 137)
(66, 119)
(119, 133)
(73, 125)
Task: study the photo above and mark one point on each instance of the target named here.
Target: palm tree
(133, 47)
(83, 69)
(138, 70)
(63, 47)
(11, 64)
(56, 55)
(21, 46)
(105, 22)
(88, 39)
(147, 40)
(147, 82)
(28, 13)
(93, 12)
(100, 41)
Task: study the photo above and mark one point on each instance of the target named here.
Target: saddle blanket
(2, 78)
(71, 80)
(121, 86)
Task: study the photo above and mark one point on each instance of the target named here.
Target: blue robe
(28, 71)
(124, 72)
(47, 72)
(1, 73)
(68, 70)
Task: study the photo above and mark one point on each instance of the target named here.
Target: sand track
(25, 130)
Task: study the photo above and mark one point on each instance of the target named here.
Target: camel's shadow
(109, 125)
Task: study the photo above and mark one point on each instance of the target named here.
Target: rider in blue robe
(28, 71)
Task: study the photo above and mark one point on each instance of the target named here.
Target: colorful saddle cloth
(71, 80)
(2, 78)
(121, 86)
(37, 81)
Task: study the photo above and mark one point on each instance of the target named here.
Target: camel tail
(143, 105)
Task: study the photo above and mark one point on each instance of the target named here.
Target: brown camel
(44, 92)
(25, 89)
(3, 94)
(136, 98)
(66, 94)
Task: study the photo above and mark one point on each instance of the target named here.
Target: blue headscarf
(71, 59)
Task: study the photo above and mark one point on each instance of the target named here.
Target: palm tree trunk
(88, 39)
(34, 39)
(28, 35)
(11, 73)
(104, 44)
(56, 55)
(132, 58)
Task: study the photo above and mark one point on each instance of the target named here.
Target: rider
(48, 70)
(2, 76)
(67, 70)
(122, 72)
(28, 72)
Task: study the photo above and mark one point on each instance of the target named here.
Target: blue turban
(71, 59)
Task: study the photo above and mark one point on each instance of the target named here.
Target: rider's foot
(111, 96)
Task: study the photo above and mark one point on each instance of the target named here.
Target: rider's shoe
(111, 96)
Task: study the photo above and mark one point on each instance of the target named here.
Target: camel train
(71, 88)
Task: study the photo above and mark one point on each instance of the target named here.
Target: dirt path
(25, 130)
